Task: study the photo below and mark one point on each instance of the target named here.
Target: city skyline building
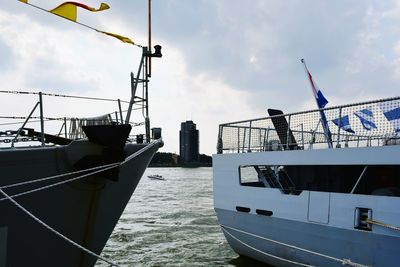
(189, 142)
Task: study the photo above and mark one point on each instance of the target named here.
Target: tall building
(189, 142)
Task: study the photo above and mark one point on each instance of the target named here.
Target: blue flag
(391, 110)
(344, 123)
(366, 117)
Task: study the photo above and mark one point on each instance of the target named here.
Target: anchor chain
(8, 133)
(12, 133)
(19, 140)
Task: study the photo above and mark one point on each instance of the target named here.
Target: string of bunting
(68, 10)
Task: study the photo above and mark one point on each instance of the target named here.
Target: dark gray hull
(85, 211)
(256, 233)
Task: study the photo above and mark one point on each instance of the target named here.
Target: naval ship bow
(65, 181)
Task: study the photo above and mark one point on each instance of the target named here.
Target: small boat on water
(156, 177)
(289, 193)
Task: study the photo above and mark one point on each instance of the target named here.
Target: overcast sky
(224, 60)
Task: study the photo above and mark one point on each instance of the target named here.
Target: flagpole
(309, 79)
(323, 120)
(149, 49)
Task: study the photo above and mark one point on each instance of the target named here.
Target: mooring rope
(68, 240)
(342, 261)
(57, 176)
(60, 183)
(102, 168)
(265, 253)
(55, 231)
(393, 227)
(140, 151)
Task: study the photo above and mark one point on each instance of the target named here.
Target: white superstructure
(283, 197)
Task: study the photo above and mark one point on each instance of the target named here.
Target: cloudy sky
(224, 60)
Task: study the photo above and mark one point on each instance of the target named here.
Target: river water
(171, 223)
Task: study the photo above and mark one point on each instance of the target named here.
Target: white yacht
(313, 188)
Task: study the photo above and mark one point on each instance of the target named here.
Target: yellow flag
(68, 10)
(120, 37)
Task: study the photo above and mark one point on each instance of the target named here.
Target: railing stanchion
(288, 134)
(120, 111)
(338, 131)
(244, 139)
(302, 134)
(41, 118)
(65, 127)
(249, 146)
(265, 138)
(238, 140)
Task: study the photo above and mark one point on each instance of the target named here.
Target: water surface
(172, 223)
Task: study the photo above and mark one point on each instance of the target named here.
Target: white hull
(313, 227)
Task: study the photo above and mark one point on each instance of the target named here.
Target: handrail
(41, 118)
(315, 110)
(344, 126)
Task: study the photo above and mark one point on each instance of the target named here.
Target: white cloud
(223, 60)
(178, 95)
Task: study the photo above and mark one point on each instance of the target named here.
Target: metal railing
(372, 123)
(13, 129)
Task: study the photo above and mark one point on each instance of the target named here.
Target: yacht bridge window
(352, 179)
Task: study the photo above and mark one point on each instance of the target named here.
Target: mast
(144, 71)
